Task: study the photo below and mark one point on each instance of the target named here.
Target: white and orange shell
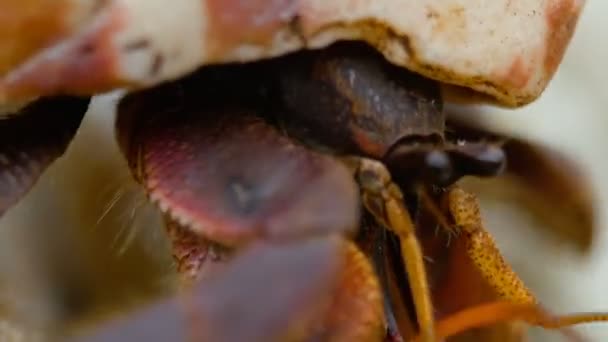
(506, 49)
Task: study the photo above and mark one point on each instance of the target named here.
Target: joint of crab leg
(385, 201)
(439, 215)
(374, 178)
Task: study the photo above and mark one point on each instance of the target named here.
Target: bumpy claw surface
(194, 256)
(221, 173)
(354, 312)
(482, 249)
(225, 173)
(518, 303)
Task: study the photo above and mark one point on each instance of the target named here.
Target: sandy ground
(86, 209)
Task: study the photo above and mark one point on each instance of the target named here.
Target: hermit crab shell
(505, 50)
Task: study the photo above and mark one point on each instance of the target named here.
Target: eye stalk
(482, 159)
(348, 100)
(427, 160)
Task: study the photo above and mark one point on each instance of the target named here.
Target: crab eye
(438, 166)
(420, 163)
(478, 159)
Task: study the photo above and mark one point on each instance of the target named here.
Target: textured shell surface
(506, 50)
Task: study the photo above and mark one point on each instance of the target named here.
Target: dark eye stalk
(425, 160)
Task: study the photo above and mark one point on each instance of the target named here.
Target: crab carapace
(299, 148)
(349, 100)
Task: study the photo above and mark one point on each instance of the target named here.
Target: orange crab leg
(482, 249)
(385, 201)
(518, 303)
(501, 311)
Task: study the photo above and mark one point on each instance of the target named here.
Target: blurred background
(86, 235)
(570, 117)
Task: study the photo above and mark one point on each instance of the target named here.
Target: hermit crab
(299, 151)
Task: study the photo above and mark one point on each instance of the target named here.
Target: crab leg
(31, 138)
(221, 173)
(519, 303)
(482, 249)
(278, 303)
(385, 201)
(490, 313)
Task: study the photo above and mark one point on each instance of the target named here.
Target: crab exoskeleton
(296, 145)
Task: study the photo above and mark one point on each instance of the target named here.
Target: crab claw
(226, 176)
(225, 173)
(293, 291)
(31, 139)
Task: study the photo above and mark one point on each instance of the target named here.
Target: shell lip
(118, 48)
